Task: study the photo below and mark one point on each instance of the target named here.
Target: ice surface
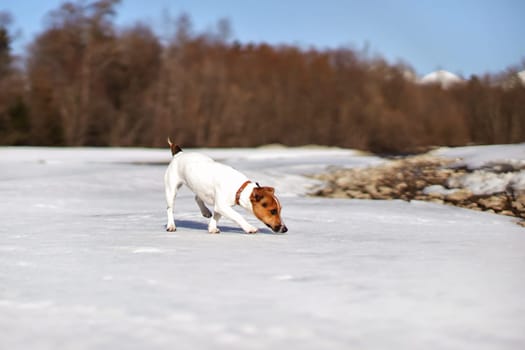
(85, 262)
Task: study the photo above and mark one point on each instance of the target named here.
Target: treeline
(85, 82)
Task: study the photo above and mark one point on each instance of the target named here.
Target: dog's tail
(174, 148)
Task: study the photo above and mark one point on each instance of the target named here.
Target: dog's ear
(271, 190)
(257, 194)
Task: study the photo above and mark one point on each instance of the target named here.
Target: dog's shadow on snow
(198, 225)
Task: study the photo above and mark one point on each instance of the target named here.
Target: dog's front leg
(231, 214)
(212, 226)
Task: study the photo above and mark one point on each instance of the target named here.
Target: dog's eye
(265, 205)
(273, 211)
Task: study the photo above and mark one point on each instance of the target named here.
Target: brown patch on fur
(174, 148)
(266, 207)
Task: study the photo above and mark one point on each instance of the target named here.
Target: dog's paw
(214, 230)
(250, 229)
(171, 228)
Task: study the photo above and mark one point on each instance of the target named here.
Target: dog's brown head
(267, 208)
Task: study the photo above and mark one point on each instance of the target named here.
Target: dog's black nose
(284, 229)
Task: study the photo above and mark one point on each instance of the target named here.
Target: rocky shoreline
(498, 187)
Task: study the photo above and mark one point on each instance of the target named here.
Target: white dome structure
(521, 76)
(441, 77)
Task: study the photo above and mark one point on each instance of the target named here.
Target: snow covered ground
(85, 262)
(483, 162)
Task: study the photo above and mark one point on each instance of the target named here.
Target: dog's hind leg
(204, 210)
(171, 193)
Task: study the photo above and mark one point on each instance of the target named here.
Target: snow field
(85, 262)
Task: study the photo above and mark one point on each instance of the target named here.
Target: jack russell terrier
(222, 187)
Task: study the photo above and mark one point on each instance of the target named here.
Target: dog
(222, 187)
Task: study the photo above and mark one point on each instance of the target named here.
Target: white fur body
(213, 183)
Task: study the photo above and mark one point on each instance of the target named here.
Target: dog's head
(267, 208)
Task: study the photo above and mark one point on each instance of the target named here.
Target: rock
(358, 195)
(338, 193)
(474, 206)
(400, 187)
(436, 200)
(435, 195)
(519, 203)
(518, 207)
(344, 181)
(458, 196)
(420, 184)
(497, 202)
(385, 190)
(371, 188)
(325, 191)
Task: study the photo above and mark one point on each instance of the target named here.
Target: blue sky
(463, 36)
